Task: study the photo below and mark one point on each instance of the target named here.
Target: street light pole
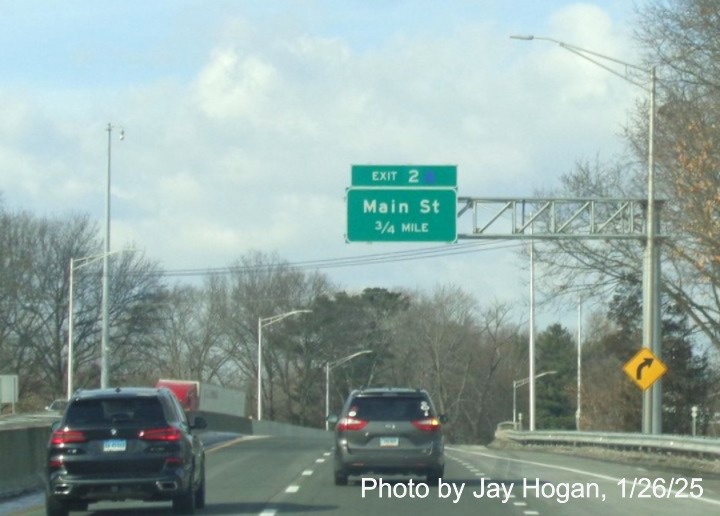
(652, 332)
(75, 264)
(652, 420)
(70, 332)
(578, 412)
(531, 354)
(519, 383)
(262, 322)
(332, 365)
(104, 375)
(515, 404)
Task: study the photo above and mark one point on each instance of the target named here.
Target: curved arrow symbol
(645, 363)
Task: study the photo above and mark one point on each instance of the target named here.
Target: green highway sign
(401, 215)
(404, 175)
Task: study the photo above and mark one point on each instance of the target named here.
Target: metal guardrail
(703, 447)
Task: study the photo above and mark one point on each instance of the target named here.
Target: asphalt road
(275, 476)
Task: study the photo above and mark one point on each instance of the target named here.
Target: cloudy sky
(242, 118)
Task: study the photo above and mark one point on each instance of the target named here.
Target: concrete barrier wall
(23, 450)
(285, 430)
(244, 425)
(23, 457)
(225, 423)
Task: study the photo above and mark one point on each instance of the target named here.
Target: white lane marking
(519, 504)
(531, 513)
(703, 498)
(292, 489)
(268, 512)
(235, 441)
(307, 472)
(320, 460)
(326, 454)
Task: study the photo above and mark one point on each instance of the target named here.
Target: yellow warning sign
(644, 368)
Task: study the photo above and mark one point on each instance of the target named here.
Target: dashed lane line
(293, 488)
(472, 469)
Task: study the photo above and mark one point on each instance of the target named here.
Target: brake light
(173, 462)
(431, 424)
(351, 424)
(55, 463)
(169, 433)
(60, 437)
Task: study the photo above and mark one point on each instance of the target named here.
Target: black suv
(388, 430)
(125, 443)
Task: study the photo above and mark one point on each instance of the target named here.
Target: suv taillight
(59, 437)
(351, 424)
(431, 424)
(169, 433)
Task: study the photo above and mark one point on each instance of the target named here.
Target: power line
(352, 261)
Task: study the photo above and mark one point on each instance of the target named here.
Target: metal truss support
(583, 219)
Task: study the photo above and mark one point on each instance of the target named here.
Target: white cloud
(231, 86)
(252, 148)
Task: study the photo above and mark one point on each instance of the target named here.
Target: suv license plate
(115, 445)
(389, 441)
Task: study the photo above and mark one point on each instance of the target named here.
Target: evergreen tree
(555, 399)
(688, 382)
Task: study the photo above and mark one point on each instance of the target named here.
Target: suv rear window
(118, 410)
(390, 408)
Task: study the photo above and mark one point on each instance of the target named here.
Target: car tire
(184, 503)
(55, 507)
(200, 492)
(341, 478)
(434, 475)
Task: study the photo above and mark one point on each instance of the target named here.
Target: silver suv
(388, 430)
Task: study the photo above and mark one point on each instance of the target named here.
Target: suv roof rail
(389, 388)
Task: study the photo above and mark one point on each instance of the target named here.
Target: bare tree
(188, 342)
(261, 286)
(682, 37)
(449, 346)
(35, 279)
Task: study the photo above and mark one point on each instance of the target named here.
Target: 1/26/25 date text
(640, 487)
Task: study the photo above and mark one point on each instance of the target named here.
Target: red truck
(195, 396)
(187, 392)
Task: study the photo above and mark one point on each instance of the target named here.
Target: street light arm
(585, 54)
(341, 361)
(78, 263)
(267, 321)
(262, 322)
(525, 381)
(331, 365)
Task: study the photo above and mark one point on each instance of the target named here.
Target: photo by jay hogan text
(562, 492)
